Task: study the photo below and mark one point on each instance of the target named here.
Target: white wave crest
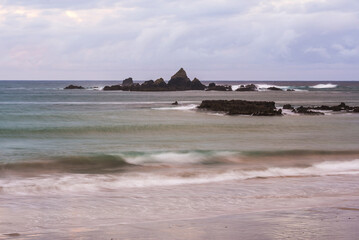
(320, 86)
(87, 182)
(180, 157)
(181, 107)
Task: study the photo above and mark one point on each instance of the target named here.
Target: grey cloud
(114, 39)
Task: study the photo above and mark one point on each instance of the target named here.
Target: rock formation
(178, 82)
(275, 89)
(127, 82)
(241, 107)
(246, 88)
(74, 87)
(214, 87)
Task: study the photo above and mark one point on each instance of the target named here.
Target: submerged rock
(175, 103)
(74, 87)
(214, 87)
(241, 107)
(246, 88)
(275, 89)
(287, 106)
(306, 110)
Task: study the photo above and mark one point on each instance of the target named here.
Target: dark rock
(214, 87)
(211, 85)
(241, 107)
(74, 87)
(179, 81)
(287, 106)
(175, 103)
(246, 88)
(161, 83)
(127, 82)
(148, 84)
(275, 89)
(197, 85)
(290, 90)
(306, 110)
(340, 107)
(113, 88)
(356, 109)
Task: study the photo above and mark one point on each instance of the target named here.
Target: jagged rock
(127, 82)
(214, 87)
(287, 106)
(197, 85)
(161, 83)
(179, 81)
(241, 107)
(275, 89)
(248, 87)
(74, 87)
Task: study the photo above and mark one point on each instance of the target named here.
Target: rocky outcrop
(241, 107)
(161, 83)
(178, 82)
(113, 88)
(197, 85)
(246, 88)
(287, 106)
(127, 82)
(214, 87)
(275, 89)
(341, 107)
(306, 110)
(73, 87)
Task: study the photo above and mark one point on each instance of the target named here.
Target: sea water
(74, 160)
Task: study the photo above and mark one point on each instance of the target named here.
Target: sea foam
(322, 86)
(87, 182)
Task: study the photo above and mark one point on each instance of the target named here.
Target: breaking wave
(181, 107)
(323, 86)
(111, 182)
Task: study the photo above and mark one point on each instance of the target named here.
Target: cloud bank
(212, 39)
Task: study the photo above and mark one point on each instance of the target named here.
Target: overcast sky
(211, 39)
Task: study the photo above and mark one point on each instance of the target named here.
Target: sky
(210, 39)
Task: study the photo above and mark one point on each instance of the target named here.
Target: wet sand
(273, 208)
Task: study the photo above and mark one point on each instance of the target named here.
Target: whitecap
(321, 86)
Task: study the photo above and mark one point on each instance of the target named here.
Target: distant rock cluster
(262, 108)
(309, 110)
(178, 82)
(74, 87)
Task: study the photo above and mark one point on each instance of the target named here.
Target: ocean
(93, 164)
